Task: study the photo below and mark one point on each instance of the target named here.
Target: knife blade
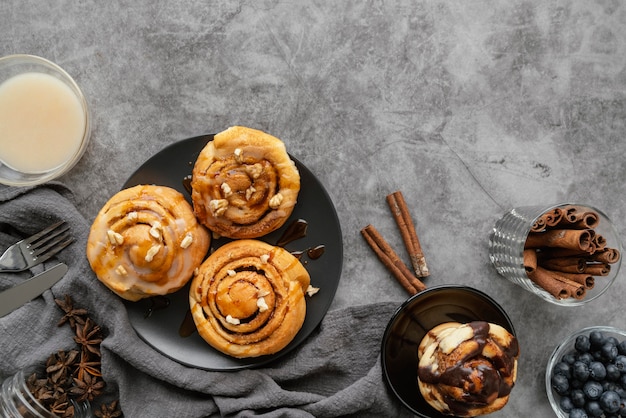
(18, 295)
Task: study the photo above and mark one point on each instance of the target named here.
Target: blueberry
(610, 401)
(562, 368)
(569, 358)
(578, 398)
(612, 372)
(582, 344)
(578, 413)
(622, 408)
(592, 390)
(560, 384)
(576, 384)
(620, 363)
(580, 371)
(622, 380)
(597, 371)
(621, 347)
(609, 351)
(593, 409)
(596, 339)
(614, 386)
(566, 404)
(586, 358)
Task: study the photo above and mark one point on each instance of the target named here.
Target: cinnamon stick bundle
(390, 259)
(563, 253)
(401, 215)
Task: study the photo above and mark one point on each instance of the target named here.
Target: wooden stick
(390, 259)
(405, 224)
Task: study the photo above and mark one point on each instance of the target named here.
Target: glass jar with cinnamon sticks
(567, 254)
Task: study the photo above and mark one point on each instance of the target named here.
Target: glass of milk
(44, 121)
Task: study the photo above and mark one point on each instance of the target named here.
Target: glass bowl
(410, 323)
(506, 251)
(568, 347)
(45, 119)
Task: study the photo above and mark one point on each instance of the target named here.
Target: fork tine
(42, 233)
(49, 244)
(43, 240)
(53, 249)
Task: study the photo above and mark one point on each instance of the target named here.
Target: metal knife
(18, 295)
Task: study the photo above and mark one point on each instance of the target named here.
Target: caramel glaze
(482, 379)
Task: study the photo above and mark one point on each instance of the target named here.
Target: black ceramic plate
(160, 328)
(410, 323)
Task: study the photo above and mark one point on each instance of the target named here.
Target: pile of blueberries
(591, 380)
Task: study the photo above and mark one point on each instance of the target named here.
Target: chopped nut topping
(254, 170)
(312, 290)
(218, 206)
(276, 200)
(156, 229)
(263, 293)
(115, 238)
(231, 273)
(132, 216)
(264, 258)
(152, 252)
(232, 320)
(186, 242)
(226, 189)
(261, 304)
(121, 270)
(249, 192)
(238, 154)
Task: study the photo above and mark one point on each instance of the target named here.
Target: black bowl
(410, 323)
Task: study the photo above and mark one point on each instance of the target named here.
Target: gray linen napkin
(335, 372)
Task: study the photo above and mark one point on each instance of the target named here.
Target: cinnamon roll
(247, 298)
(146, 241)
(467, 370)
(244, 185)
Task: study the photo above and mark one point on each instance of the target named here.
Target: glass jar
(16, 401)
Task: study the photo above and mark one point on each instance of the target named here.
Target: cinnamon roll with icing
(467, 370)
(248, 298)
(146, 241)
(244, 184)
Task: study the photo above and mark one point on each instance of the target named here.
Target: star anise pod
(34, 383)
(85, 366)
(72, 315)
(89, 337)
(87, 389)
(62, 407)
(59, 364)
(108, 411)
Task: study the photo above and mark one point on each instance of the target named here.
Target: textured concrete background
(469, 108)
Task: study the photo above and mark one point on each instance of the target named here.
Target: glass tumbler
(506, 250)
(16, 401)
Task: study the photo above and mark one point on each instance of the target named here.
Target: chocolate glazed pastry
(244, 184)
(146, 241)
(467, 370)
(248, 298)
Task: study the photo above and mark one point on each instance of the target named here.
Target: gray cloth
(335, 372)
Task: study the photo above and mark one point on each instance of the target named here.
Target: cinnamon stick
(558, 286)
(530, 260)
(565, 264)
(561, 238)
(405, 224)
(392, 262)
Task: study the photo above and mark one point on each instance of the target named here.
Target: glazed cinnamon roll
(247, 298)
(146, 241)
(467, 370)
(244, 185)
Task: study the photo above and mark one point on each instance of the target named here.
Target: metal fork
(36, 249)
